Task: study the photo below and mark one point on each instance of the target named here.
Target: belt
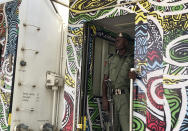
(118, 91)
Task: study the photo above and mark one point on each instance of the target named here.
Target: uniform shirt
(117, 68)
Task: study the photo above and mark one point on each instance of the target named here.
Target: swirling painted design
(141, 47)
(158, 24)
(12, 22)
(71, 58)
(2, 23)
(7, 74)
(155, 61)
(138, 124)
(167, 3)
(154, 54)
(139, 106)
(141, 18)
(155, 110)
(155, 92)
(81, 5)
(77, 100)
(174, 100)
(184, 126)
(76, 31)
(141, 7)
(67, 121)
(87, 17)
(69, 80)
(176, 51)
(179, 52)
(167, 9)
(155, 33)
(175, 24)
(173, 69)
(141, 41)
(175, 36)
(169, 81)
(139, 101)
(154, 124)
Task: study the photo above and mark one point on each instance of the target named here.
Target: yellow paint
(85, 123)
(2, 83)
(139, 62)
(168, 81)
(186, 25)
(157, 16)
(82, 5)
(78, 31)
(140, 17)
(79, 126)
(94, 29)
(145, 4)
(9, 119)
(69, 81)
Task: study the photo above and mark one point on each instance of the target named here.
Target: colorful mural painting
(8, 44)
(161, 42)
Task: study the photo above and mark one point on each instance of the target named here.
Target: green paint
(160, 8)
(175, 72)
(177, 8)
(138, 124)
(174, 103)
(87, 17)
(95, 115)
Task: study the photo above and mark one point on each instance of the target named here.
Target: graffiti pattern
(161, 39)
(8, 46)
(175, 43)
(68, 117)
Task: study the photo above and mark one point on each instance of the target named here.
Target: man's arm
(132, 74)
(104, 94)
(104, 87)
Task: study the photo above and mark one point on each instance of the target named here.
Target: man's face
(121, 43)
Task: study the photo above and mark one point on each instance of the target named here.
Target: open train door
(99, 38)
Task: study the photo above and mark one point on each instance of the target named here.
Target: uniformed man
(117, 70)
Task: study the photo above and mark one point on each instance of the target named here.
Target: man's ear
(126, 42)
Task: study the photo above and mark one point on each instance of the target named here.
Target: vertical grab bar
(131, 102)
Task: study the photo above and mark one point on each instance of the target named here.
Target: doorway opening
(99, 46)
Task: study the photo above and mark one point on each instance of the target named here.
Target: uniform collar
(125, 55)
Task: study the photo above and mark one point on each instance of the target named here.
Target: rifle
(110, 99)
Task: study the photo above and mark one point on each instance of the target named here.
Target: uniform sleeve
(131, 61)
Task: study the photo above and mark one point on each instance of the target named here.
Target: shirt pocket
(113, 70)
(124, 71)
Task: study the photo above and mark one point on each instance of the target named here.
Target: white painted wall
(63, 11)
(46, 41)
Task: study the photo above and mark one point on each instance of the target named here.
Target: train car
(32, 37)
(52, 76)
(158, 29)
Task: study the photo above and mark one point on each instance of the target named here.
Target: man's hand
(105, 104)
(132, 75)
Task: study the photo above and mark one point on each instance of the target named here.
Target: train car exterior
(160, 96)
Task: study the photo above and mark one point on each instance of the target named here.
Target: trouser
(121, 112)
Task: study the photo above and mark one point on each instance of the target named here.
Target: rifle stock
(110, 99)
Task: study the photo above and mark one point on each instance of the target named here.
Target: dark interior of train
(98, 119)
(103, 48)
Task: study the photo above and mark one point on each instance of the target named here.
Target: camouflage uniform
(117, 68)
